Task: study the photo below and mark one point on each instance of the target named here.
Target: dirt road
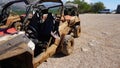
(97, 47)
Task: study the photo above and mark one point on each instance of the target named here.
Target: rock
(93, 43)
(84, 49)
(104, 33)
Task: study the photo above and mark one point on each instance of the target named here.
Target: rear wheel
(68, 45)
(77, 31)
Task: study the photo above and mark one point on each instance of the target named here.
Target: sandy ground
(97, 47)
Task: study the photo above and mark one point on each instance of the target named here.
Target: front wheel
(68, 45)
(21, 61)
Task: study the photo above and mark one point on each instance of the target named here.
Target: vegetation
(55, 10)
(84, 7)
(97, 7)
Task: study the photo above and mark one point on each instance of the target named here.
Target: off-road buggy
(118, 9)
(15, 47)
(41, 34)
(71, 14)
(10, 14)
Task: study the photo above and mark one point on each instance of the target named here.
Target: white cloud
(69, 0)
(88, 1)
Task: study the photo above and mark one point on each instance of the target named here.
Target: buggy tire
(77, 31)
(14, 63)
(68, 45)
(23, 60)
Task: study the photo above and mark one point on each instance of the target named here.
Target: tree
(84, 7)
(69, 2)
(96, 7)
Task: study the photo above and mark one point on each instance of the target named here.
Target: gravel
(97, 47)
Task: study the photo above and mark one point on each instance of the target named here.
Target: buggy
(42, 32)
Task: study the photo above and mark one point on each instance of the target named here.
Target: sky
(109, 4)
